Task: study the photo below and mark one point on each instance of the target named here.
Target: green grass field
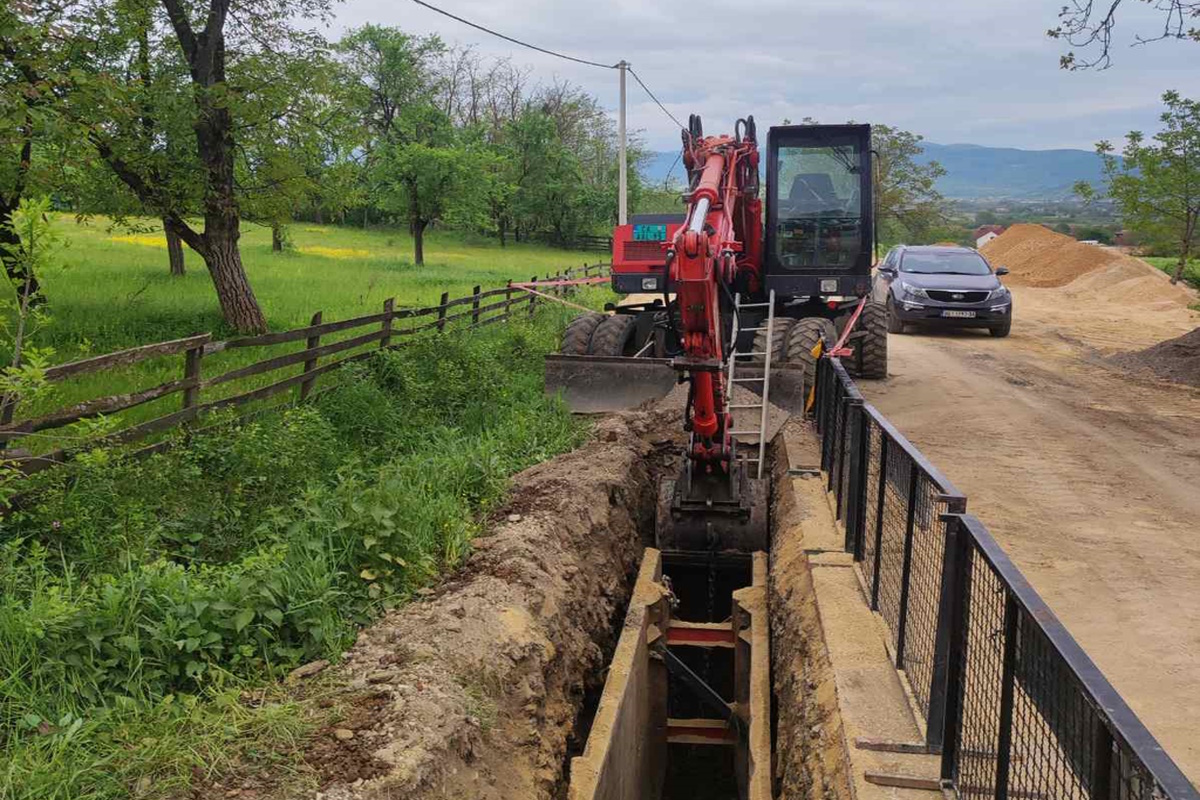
(115, 292)
(1168, 263)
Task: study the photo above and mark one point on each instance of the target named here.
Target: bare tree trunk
(276, 238)
(174, 250)
(1186, 250)
(418, 234)
(238, 303)
(502, 229)
(318, 215)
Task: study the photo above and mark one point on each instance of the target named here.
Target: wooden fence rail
(192, 384)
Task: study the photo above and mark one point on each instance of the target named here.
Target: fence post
(508, 299)
(532, 297)
(441, 320)
(846, 462)
(880, 501)
(389, 308)
(938, 686)
(856, 506)
(191, 372)
(906, 572)
(1100, 785)
(311, 342)
(1007, 696)
(475, 307)
(958, 589)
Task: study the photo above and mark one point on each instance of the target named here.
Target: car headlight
(999, 294)
(914, 291)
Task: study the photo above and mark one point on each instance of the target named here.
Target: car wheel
(894, 323)
(1000, 331)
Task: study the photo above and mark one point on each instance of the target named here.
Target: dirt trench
(475, 690)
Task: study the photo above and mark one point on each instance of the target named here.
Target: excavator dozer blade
(599, 384)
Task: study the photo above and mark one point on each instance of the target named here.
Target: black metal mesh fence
(1017, 708)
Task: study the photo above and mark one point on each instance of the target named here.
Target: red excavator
(724, 288)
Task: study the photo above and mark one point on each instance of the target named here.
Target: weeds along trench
(140, 600)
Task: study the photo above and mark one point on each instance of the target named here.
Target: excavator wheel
(871, 350)
(614, 336)
(778, 343)
(803, 338)
(578, 335)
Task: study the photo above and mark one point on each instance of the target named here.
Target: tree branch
(183, 28)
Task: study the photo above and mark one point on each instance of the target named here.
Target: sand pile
(1041, 258)
(1176, 359)
(1037, 256)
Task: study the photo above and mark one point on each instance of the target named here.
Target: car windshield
(949, 263)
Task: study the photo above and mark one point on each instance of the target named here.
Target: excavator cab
(819, 215)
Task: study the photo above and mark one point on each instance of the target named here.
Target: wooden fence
(480, 308)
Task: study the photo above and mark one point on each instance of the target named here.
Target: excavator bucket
(600, 384)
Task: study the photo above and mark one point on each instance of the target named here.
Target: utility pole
(622, 202)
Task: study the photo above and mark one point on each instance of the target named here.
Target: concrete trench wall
(627, 751)
(628, 742)
(811, 759)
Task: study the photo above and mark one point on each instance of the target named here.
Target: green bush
(257, 545)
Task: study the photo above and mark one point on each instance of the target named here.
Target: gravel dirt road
(1089, 476)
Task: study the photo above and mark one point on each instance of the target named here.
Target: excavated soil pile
(1176, 359)
(1037, 256)
(475, 690)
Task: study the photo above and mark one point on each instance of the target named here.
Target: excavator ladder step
(763, 383)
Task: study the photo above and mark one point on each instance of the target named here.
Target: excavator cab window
(818, 215)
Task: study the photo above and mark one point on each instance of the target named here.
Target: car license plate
(959, 314)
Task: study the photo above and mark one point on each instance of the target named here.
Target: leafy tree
(906, 196)
(1089, 25)
(31, 245)
(232, 81)
(29, 60)
(1156, 182)
(430, 174)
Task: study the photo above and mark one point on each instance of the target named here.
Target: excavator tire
(577, 338)
(614, 336)
(778, 344)
(801, 341)
(871, 350)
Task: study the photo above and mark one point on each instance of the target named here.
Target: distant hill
(972, 171)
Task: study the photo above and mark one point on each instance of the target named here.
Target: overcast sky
(967, 71)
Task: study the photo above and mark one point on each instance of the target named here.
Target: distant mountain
(972, 171)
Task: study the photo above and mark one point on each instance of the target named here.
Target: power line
(637, 78)
(478, 27)
(518, 41)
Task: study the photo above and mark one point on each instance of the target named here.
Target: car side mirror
(1001, 271)
(887, 270)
